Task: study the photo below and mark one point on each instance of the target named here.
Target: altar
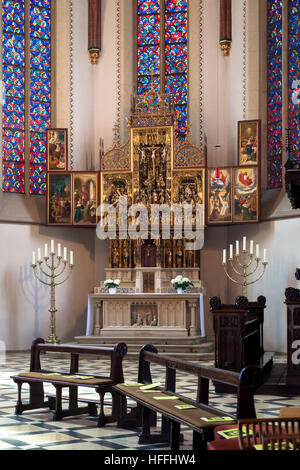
(159, 175)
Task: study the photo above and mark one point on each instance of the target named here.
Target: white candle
(244, 244)
(52, 247)
(237, 243)
(46, 251)
(71, 258)
(231, 252)
(33, 257)
(39, 254)
(59, 250)
(65, 254)
(257, 251)
(251, 247)
(224, 256)
(265, 255)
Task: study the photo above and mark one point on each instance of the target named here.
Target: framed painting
(59, 198)
(57, 149)
(246, 195)
(219, 196)
(249, 136)
(85, 198)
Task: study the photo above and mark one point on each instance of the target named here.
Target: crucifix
(94, 39)
(225, 26)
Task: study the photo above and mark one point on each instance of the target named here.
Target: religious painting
(57, 149)
(246, 195)
(59, 198)
(85, 198)
(219, 205)
(249, 142)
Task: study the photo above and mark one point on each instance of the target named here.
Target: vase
(180, 290)
(112, 290)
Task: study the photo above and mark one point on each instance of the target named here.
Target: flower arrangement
(181, 284)
(111, 285)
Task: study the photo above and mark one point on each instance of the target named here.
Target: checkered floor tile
(36, 430)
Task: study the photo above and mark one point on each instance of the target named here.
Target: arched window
(280, 109)
(162, 45)
(26, 72)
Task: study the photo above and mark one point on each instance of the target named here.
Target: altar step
(196, 349)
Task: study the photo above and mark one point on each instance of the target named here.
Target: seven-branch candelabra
(53, 267)
(244, 264)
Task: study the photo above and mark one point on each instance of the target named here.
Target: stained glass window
(274, 93)
(16, 117)
(162, 48)
(294, 77)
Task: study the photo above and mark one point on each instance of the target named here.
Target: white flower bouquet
(181, 284)
(110, 284)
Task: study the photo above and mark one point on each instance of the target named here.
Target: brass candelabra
(56, 268)
(244, 261)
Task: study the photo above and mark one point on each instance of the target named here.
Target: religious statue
(115, 256)
(179, 254)
(190, 259)
(169, 258)
(126, 256)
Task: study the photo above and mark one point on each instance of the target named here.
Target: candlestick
(265, 255)
(52, 249)
(245, 261)
(59, 250)
(65, 254)
(237, 247)
(51, 275)
(244, 244)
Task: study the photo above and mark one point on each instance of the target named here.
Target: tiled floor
(36, 430)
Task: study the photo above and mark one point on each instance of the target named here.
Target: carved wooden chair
(268, 433)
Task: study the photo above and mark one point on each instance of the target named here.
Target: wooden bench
(37, 376)
(246, 383)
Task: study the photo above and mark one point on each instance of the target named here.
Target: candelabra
(244, 262)
(56, 268)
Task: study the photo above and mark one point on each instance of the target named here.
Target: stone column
(97, 326)
(194, 328)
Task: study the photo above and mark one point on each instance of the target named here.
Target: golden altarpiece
(153, 167)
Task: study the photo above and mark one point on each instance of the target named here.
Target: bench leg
(58, 413)
(199, 442)
(102, 418)
(74, 409)
(36, 398)
(175, 436)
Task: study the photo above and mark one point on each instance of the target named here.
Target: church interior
(150, 184)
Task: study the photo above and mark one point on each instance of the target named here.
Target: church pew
(37, 376)
(245, 382)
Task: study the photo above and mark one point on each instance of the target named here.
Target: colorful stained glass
(148, 7)
(40, 22)
(13, 177)
(13, 50)
(40, 91)
(176, 5)
(275, 93)
(14, 115)
(294, 77)
(176, 28)
(38, 179)
(13, 17)
(13, 145)
(14, 80)
(174, 55)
